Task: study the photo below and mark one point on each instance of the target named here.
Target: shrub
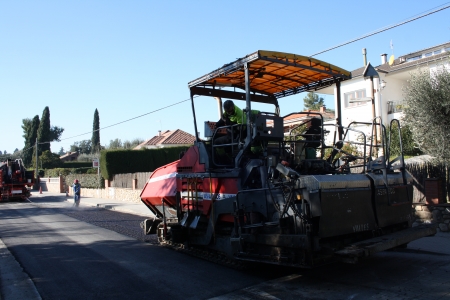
(68, 171)
(409, 146)
(86, 180)
(77, 164)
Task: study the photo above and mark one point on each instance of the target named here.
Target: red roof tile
(302, 117)
(169, 137)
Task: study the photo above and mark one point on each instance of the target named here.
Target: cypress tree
(43, 134)
(95, 140)
(30, 128)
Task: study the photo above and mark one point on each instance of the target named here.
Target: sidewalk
(121, 206)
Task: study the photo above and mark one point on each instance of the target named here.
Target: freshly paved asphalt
(418, 272)
(69, 253)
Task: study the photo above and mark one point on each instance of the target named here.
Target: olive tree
(427, 110)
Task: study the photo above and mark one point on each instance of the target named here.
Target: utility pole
(37, 169)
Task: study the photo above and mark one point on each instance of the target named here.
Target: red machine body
(164, 191)
(15, 180)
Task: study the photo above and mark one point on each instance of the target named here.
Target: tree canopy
(82, 147)
(47, 134)
(42, 131)
(408, 144)
(43, 134)
(48, 160)
(312, 101)
(131, 144)
(30, 129)
(427, 111)
(117, 144)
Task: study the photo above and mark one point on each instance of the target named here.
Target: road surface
(91, 253)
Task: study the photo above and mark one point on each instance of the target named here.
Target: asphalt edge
(15, 283)
(122, 210)
(113, 207)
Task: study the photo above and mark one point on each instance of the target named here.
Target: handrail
(232, 144)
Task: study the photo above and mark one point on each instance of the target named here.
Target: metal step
(262, 224)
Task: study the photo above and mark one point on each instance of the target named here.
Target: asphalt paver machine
(289, 202)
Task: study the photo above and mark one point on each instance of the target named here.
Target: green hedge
(67, 171)
(77, 164)
(131, 161)
(86, 180)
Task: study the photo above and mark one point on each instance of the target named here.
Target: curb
(116, 208)
(120, 209)
(15, 283)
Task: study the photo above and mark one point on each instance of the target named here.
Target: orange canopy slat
(273, 73)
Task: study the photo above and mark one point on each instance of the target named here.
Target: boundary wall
(113, 193)
(52, 184)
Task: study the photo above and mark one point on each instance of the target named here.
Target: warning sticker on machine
(207, 196)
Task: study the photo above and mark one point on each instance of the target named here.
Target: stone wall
(438, 214)
(121, 194)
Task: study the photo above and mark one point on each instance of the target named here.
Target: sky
(132, 60)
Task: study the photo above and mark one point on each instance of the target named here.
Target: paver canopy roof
(273, 73)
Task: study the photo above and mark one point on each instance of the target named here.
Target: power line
(140, 116)
(384, 29)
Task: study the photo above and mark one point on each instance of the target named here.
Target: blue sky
(129, 58)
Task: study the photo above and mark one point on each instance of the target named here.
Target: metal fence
(126, 180)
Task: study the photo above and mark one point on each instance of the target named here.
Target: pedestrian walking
(76, 187)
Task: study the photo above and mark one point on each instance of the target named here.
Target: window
(428, 54)
(355, 95)
(414, 58)
(437, 52)
(394, 107)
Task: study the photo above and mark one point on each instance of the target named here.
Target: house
(387, 88)
(377, 91)
(168, 138)
(292, 121)
(69, 156)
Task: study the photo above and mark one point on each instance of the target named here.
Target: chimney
(322, 109)
(159, 132)
(364, 52)
(383, 58)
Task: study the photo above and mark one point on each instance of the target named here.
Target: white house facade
(387, 88)
(377, 91)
